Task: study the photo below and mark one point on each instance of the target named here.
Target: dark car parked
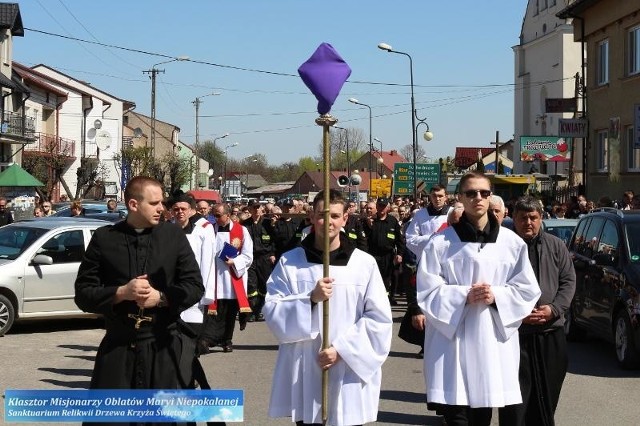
(605, 248)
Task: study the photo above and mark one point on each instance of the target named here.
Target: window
(633, 49)
(633, 154)
(552, 3)
(66, 247)
(603, 63)
(591, 236)
(602, 145)
(609, 242)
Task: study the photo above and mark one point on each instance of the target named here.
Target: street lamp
(380, 160)
(214, 147)
(355, 101)
(414, 116)
(197, 103)
(153, 71)
(226, 148)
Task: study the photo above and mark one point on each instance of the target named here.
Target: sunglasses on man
(473, 193)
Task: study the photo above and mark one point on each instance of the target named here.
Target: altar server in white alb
(360, 326)
(475, 285)
(201, 238)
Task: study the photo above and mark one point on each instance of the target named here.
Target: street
(60, 354)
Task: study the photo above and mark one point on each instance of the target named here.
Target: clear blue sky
(462, 59)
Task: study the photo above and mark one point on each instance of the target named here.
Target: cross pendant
(139, 318)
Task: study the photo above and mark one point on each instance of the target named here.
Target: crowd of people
(485, 303)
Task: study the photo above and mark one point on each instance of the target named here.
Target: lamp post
(346, 138)
(355, 101)
(414, 116)
(196, 148)
(214, 144)
(153, 71)
(380, 160)
(226, 148)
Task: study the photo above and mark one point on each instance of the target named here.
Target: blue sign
(124, 405)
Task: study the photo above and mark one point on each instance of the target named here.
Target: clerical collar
(437, 212)
(467, 232)
(338, 257)
(191, 223)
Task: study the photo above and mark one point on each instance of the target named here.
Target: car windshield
(14, 240)
(633, 236)
(562, 232)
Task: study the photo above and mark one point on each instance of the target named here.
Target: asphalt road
(60, 354)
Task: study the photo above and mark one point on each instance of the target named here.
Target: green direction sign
(428, 175)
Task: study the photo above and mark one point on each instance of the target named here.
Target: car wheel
(7, 315)
(626, 351)
(571, 329)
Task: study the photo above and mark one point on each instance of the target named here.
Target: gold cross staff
(139, 318)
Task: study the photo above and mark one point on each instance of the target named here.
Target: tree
(407, 152)
(49, 165)
(213, 155)
(177, 170)
(340, 140)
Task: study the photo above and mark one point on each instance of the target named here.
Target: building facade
(610, 33)
(547, 60)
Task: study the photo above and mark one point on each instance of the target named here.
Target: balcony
(50, 145)
(15, 128)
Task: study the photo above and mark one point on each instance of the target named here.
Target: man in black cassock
(140, 274)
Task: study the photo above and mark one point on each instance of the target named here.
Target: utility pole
(196, 147)
(153, 71)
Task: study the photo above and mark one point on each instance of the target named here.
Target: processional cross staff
(324, 73)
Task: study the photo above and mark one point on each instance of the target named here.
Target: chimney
(393, 152)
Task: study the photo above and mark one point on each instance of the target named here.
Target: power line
(283, 74)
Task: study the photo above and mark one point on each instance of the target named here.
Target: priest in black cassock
(140, 274)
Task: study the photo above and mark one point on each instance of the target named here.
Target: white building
(546, 63)
(94, 119)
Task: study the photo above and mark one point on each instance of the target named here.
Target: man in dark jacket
(5, 215)
(385, 241)
(264, 258)
(543, 346)
(140, 274)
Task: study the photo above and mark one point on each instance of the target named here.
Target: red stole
(236, 237)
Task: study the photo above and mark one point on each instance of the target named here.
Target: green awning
(15, 175)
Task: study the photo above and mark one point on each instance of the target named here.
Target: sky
(248, 52)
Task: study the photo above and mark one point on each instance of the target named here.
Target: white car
(39, 261)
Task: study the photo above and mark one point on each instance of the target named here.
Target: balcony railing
(16, 125)
(52, 145)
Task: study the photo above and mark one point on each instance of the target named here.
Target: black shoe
(243, 323)
(260, 317)
(227, 348)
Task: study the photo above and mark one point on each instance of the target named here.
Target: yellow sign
(380, 188)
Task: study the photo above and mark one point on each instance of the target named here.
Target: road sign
(380, 188)
(572, 127)
(561, 105)
(428, 175)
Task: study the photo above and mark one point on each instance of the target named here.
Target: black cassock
(158, 355)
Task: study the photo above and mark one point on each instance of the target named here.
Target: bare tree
(407, 152)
